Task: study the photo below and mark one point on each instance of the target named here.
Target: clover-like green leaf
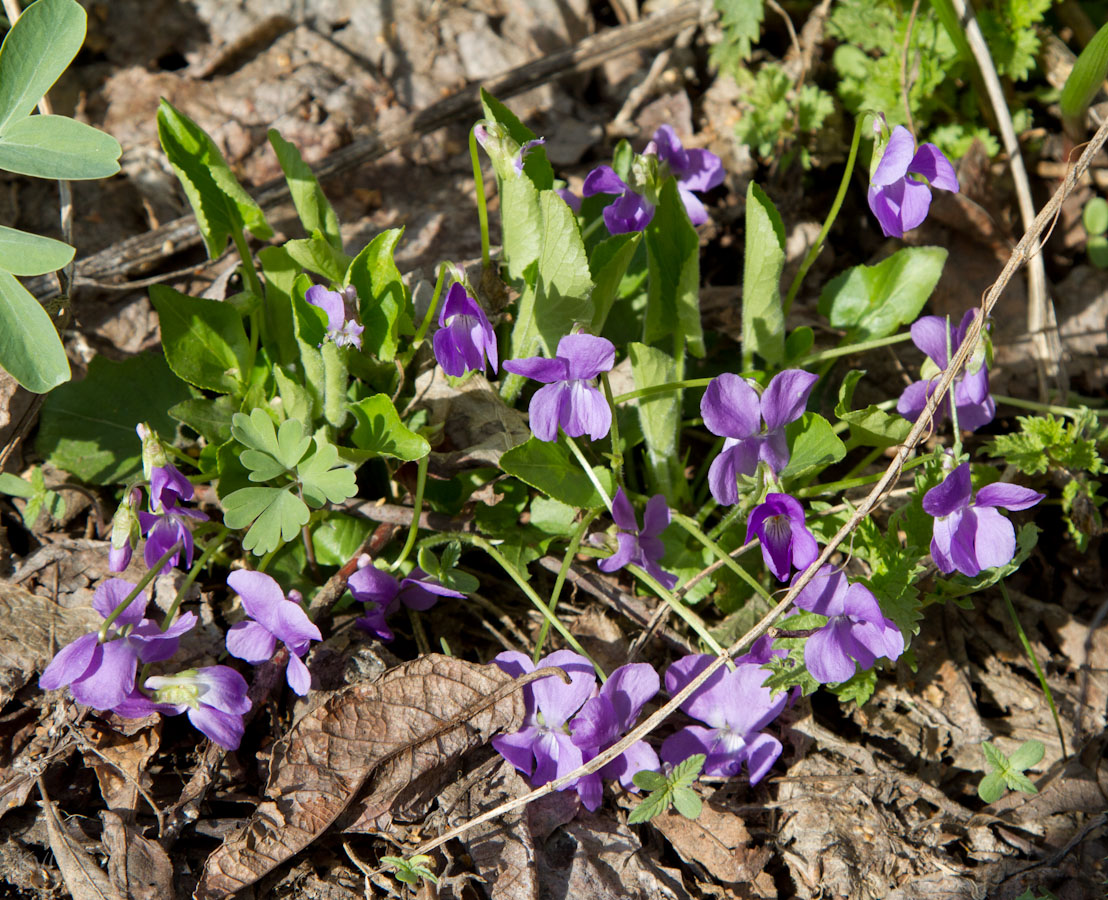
(322, 479)
(275, 516)
(286, 447)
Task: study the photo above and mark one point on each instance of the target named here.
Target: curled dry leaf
(416, 717)
(139, 869)
(84, 879)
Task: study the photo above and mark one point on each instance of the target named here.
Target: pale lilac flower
(735, 707)
(572, 200)
(732, 409)
(970, 534)
(785, 539)
(695, 170)
(527, 147)
(605, 718)
(383, 594)
(570, 398)
(166, 523)
(899, 201)
(543, 749)
(971, 388)
(630, 211)
(640, 547)
(342, 329)
(102, 675)
(168, 487)
(214, 698)
(126, 531)
(273, 617)
(856, 630)
(465, 338)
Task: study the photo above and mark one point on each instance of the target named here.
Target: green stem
(617, 447)
(1046, 407)
(953, 402)
(1038, 669)
(588, 471)
(476, 540)
(102, 635)
(865, 461)
(794, 288)
(846, 483)
(691, 619)
(430, 316)
(667, 388)
(729, 518)
(850, 349)
(567, 561)
(691, 527)
(482, 206)
(250, 276)
(212, 548)
(417, 511)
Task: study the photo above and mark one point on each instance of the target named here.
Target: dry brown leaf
(416, 717)
(84, 879)
(138, 868)
(120, 762)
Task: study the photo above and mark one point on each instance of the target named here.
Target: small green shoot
(673, 790)
(1007, 771)
(35, 493)
(443, 569)
(410, 871)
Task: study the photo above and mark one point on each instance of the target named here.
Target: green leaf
(1017, 781)
(521, 224)
(36, 51)
(871, 427)
(859, 687)
(204, 340)
(296, 401)
(88, 428)
(1028, 754)
(652, 804)
(336, 380)
(1095, 216)
(338, 537)
(30, 349)
(383, 298)
(548, 466)
(673, 260)
(994, 757)
(209, 418)
(874, 301)
(1086, 78)
(22, 253)
(607, 265)
(322, 478)
(552, 516)
(316, 255)
(688, 770)
(286, 446)
(762, 315)
(14, 486)
(280, 271)
(58, 147)
(220, 203)
(741, 22)
(535, 166)
(991, 787)
(276, 513)
(660, 417)
(649, 781)
(378, 430)
(316, 213)
(687, 802)
(813, 443)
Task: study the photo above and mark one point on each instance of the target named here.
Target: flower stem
(212, 548)
(1035, 662)
(567, 561)
(479, 191)
(588, 471)
(413, 529)
(151, 574)
(617, 447)
(850, 349)
(1047, 407)
(953, 403)
(794, 288)
(431, 310)
(694, 621)
(667, 388)
(691, 527)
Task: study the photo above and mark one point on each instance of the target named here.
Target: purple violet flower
(215, 698)
(642, 548)
(102, 675)
(695, 169)
(168, 487)
(544, 743)
(465, 338)
(630, 211)
(736, 707)
(605, 718)
(572, 200)
(856, 630)
(732, 409)
(527, 147)
(970, 535)
(971, 388)
(383, 594)
(273, 617)
(570, 398)
(166, 523)
(899, 201)
(786, 540)
(341, 329)
(126, 531)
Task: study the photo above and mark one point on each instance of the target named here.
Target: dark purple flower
(167, 523)
(102, 675)
(383, 594)
(544, 743)
(971, 388)
(629, 211)
(465, 338)
(273, 617)
(642, 548)
(736, 707)
(786, 540)
(970, 534)
(168, 487)
(572, 200)
(604, 720)
(341, 329)
(732, 409)
(899, 201)
(214, 697)
(695, 170)
(570, 398)
(856, 630)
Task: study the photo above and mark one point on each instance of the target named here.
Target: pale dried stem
(922, 425)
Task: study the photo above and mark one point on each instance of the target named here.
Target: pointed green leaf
(14, 486)
(812, 443)
(535, 166)
(651, 805)
(687, 802)
(649, 781)
(34, 54)
(871, 427)
(22, 253)
(208, 418)
(337, 538)
(316, 255)
(608, 264)
(994, 757)
(380, 431)
(991, 787)
(673, 257)
(1017, 781)
(58, 147)
(688, 770)
(220, 203)
(659, 417)
(549, 467)
(205, 341)
(280, 271)
(762, 315)
(311, 203)
(30, 349)
(1028, 754)
(296, 401)
(383, 298)
(336, 381)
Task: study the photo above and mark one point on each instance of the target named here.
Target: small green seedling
(1007, 771)
(410, 871)
(1095, 219)
(674, 790)
(35, 493)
